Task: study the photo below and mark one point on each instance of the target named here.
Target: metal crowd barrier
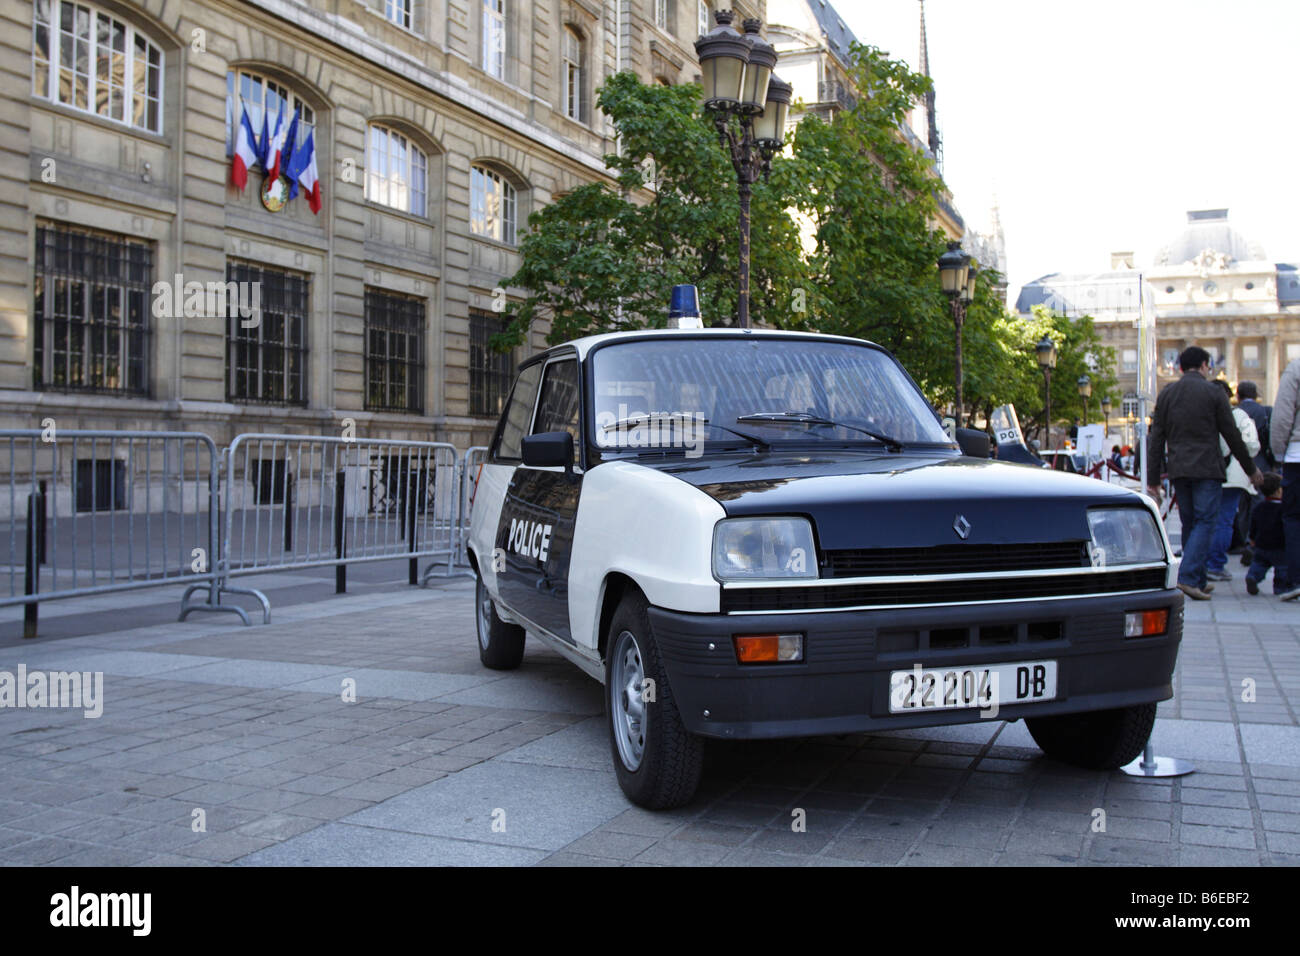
(92, 512)
(96, 512)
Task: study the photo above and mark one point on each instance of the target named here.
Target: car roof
(585, 344)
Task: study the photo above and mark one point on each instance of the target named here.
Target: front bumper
(842, 684)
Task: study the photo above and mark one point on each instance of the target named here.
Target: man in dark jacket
(1248, 402)
(1190, 416)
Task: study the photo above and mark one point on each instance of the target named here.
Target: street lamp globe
(1085, 386)
(758, 71)
(769, 128)
(954, 270)
(968, 292)
(1106, 406)
(723, 55)
(1046, 350)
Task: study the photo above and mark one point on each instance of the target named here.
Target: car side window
(557, 408)
(518, 415)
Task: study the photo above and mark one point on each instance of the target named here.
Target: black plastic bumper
(842, 684)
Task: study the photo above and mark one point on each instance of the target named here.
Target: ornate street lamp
(1085, 392)
(1105, 411)
(738, 82)
(1046, 350)
(957, 276)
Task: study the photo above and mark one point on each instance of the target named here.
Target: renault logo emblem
(962, 527)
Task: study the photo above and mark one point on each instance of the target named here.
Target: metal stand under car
(1149, 765)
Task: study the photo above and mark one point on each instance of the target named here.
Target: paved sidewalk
(439, 761)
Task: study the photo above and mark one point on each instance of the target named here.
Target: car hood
(905, 500)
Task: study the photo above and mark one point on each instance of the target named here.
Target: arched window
(574, 56)
(492, 205)
(87, 59)
(263, 97)
(397, 171)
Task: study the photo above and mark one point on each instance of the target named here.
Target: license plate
(979, 685)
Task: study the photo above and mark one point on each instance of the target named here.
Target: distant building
(1208, 286)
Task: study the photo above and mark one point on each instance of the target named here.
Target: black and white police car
(761, 534)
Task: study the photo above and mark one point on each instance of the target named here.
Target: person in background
(1190, 416)
(1235, 485)
(1116, 458)
(1267, 539)
(1248, 402)
(1284, 433)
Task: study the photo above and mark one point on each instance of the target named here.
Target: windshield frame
(779, 439)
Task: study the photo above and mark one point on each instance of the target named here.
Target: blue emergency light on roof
(684, 307)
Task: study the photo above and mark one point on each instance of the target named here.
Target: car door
(535, 532)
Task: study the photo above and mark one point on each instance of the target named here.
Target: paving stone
(1216, 836)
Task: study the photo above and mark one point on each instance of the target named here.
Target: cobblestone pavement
(440, 761)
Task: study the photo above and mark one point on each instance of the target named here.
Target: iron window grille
(266, 363)
(490, 373)
(394, 352)
(90, 311)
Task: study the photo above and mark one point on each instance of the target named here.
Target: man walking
(1190, 417)
(1248, 402)
(1285, 435)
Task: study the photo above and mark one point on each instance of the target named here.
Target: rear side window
(518, 414)
(557, 409)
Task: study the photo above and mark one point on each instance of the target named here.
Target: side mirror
(548, 450)
(973, 442)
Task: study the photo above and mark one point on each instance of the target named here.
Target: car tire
(500, 645)
(1098, 740)
(657, 760)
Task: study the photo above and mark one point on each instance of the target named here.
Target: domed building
(1209, 286)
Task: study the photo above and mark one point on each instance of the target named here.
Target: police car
(760, 534)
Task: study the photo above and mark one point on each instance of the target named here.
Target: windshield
(652, 393)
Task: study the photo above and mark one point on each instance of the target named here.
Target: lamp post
(957, 276)
(1046, 350)
(738, 82)
(1105, 412)
(1085, 392)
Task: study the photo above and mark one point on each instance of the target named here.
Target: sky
(1098, 125)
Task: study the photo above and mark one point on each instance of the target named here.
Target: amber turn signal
(1146, 623)
(768, 648)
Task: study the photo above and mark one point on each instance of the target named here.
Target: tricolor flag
(245, 150)
(308, 178)
(264, 142)
(276, 147)
(291, 160)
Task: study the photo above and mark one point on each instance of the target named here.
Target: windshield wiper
(646, 418)
(805, 418)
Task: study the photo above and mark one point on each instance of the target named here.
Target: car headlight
(1124, 536)
(748, 549)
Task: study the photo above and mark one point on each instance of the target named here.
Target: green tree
(603, 257)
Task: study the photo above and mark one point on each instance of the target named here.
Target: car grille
(939, 592)
(954, 559)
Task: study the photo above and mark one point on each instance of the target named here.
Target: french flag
(306, 156)
(276, 147)
(245, 152)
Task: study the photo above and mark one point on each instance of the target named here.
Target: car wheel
(500, 645)
(657, 761)
(1099, 740)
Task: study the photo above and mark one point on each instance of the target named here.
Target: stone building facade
(1208, 286)
(438, 126)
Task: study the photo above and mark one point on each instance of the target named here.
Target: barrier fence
(96, 512)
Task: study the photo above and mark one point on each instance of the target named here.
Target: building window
(1250, 356)
(1292, 352)
(1130, 360)
(573, 60)
(1130, 406)
(396, 172)
(494, 38)
(490, 373)
(266, 363)
(90, 312)
(703, 17)
(491, 206)
(661, 14)
(263, 99)
(394, 352)
(84, 58)
(400, 12)
(1169, 361)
